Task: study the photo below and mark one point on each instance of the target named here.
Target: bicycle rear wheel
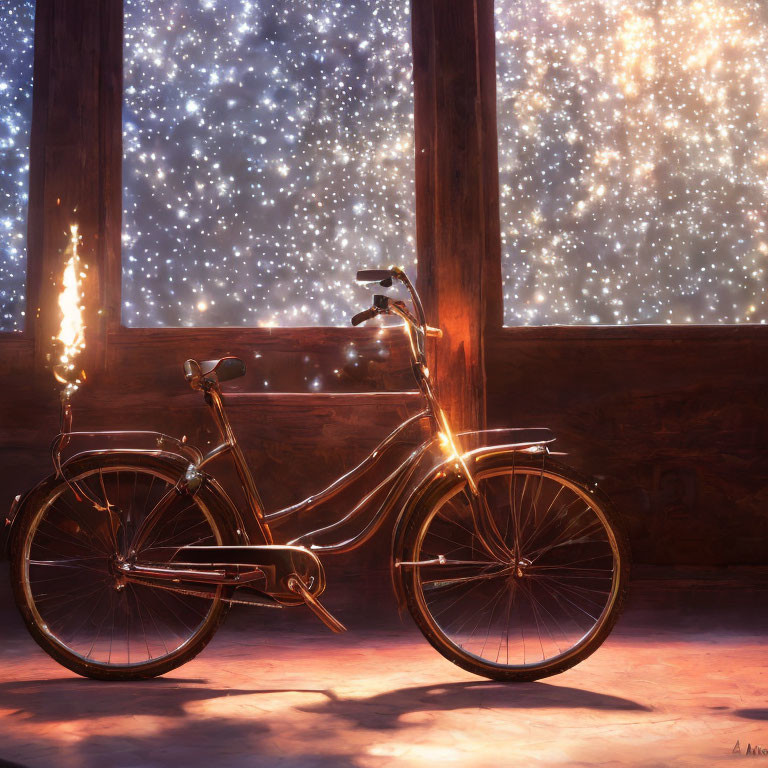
(72, 597)
(523, 582)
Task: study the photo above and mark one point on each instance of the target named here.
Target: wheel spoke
(75, 594)
(537, 605)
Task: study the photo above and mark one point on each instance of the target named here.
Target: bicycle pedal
(295, 584)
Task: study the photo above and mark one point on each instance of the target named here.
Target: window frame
(76, 169)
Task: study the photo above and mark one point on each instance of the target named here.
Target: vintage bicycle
(125, 561)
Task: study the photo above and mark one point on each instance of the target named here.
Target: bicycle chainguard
(295, 584)
(286, 574)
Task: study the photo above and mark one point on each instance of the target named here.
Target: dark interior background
(673, 429)
(671, 421)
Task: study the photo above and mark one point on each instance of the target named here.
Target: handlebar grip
(191, 369)
(361, 317)
(373, 275)
(192, 373)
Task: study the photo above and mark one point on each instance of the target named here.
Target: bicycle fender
(435, 487)
(175, 463)
(8, 527)
(190, 477)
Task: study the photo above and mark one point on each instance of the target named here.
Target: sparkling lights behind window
(633, 150)
(268, 155)
(16, 59)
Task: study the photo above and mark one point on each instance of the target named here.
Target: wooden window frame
(76, 175)
(76, 167)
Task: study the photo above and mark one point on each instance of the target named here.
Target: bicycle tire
(456, 648)
(55, 491)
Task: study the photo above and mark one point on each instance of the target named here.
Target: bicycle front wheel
(72, 596)
(524, 580)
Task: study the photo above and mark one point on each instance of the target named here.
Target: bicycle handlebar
(373, 275)
(366, 314)
(386, 305)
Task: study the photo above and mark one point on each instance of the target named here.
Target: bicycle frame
(396, 482)
(417, 330)
(394, 486)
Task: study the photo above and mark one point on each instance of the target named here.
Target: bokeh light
(17, 24)
(633, 152)
(268, 155)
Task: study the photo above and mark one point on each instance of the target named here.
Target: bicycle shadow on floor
(326, 734)
(70, 699)
(57, 699)
(385, 710)
(752, 714)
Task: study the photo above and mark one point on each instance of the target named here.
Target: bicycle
(125, 561)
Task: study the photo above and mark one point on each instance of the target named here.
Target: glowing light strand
(71, 336)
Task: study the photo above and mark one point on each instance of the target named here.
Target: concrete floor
(680, 681)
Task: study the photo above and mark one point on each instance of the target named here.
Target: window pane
(16, 58)
(634, 160)
(268, 154)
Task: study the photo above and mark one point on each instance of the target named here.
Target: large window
(16, 59)
(268, 154)
(633, 153)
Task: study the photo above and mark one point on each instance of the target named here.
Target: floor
(680, 682)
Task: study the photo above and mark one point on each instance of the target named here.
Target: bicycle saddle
(225, 369)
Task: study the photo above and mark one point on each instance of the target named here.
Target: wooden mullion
(492, 299)
(69, 152)
(111, 154)
(456, 192)
(37, 142)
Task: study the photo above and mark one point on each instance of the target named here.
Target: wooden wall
(674, 428)
(671, 421)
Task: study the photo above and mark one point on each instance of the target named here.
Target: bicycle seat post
(215, 402)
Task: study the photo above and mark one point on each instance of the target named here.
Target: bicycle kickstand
(295, 584)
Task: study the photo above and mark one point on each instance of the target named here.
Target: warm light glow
(71, 329)
(446, 439)
(449, 445)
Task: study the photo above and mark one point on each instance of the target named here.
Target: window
(16, 60)
(268, 154)
(633, 157)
